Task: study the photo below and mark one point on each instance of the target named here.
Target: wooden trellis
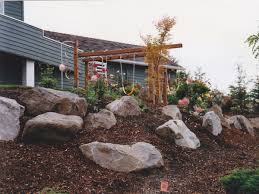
(157, 81)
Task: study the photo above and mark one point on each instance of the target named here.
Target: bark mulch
(29, 168)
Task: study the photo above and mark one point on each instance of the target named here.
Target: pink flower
(198, 109)
(184, 102)
(189, 81)
(94, 78)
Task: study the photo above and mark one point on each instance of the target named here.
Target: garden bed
(30, 168)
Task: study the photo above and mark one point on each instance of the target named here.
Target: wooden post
(165, 100)
(76, 81)
(86, 75)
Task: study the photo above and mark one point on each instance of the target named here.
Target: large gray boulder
(41, 100)
(123, 158)
(176, 130)
(125, 106)
(255, 122)
(172, 111)
(52, 128)
(242, 123)
(211, 122)
(104, 119)
(10, 113)
(218, 111)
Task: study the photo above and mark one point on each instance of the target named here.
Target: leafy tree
(47, 77)
(253, 41)
(156, 56)
(238, 92)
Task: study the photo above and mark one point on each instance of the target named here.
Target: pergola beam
(124, 51)
(109, 58)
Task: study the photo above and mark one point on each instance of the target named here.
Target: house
(25, 48)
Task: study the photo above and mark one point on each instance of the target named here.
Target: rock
(176, 130)
(211, 121)
(123, 158)
(41, 100)
(52, 127)
(10, 113)
(254, 122)
(104, 119)
(217, 109)
(242, 123)
(125, 106)
(172, 111)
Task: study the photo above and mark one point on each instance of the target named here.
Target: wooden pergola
(108, 55)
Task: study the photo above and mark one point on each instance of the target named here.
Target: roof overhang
(140, 63)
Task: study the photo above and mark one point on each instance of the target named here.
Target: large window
(1, 6)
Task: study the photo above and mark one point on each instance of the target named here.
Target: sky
(213, 32)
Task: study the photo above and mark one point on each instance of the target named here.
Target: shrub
(254, 94)
(47, 190)
(195, 91)
(47, 78)
(244, 181)
(100, 87)
(239, 94)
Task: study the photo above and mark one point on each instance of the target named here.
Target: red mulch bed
(28, 168)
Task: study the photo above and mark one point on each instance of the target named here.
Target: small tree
(238, 92)
(254, 94)
(47, 78)
(156, 56)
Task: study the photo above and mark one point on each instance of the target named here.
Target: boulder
(255, 122)
(172, 111)
(211, 121)
(104, 119)
(52, 128)
(125, 106)
(242, 123)
(176, 130)
(10, 113)
(218, 111)
(123, 158)
(41, 100)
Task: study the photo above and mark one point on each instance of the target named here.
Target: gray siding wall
(21, 39)
(128, 70)
(14, 9)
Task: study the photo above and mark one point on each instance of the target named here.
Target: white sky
(212, 31)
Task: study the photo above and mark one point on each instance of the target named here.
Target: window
(1, 6)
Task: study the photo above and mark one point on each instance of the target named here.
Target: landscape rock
(40, 100)
(176, 130)
(125, 106)
(224, 121)
(123, 158)
(242, 123)
(10, 113)
(52, 128)
(211, 121)
(172, 111)
(104, 119)
(255, 122)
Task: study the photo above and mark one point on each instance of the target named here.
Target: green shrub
(245, 181)
(239, 94)
(47, 190)
(100, 87)
(254, 94)
(172, 99)
(47, 77)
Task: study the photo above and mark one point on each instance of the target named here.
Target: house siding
(21, 39)
(14, 9)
